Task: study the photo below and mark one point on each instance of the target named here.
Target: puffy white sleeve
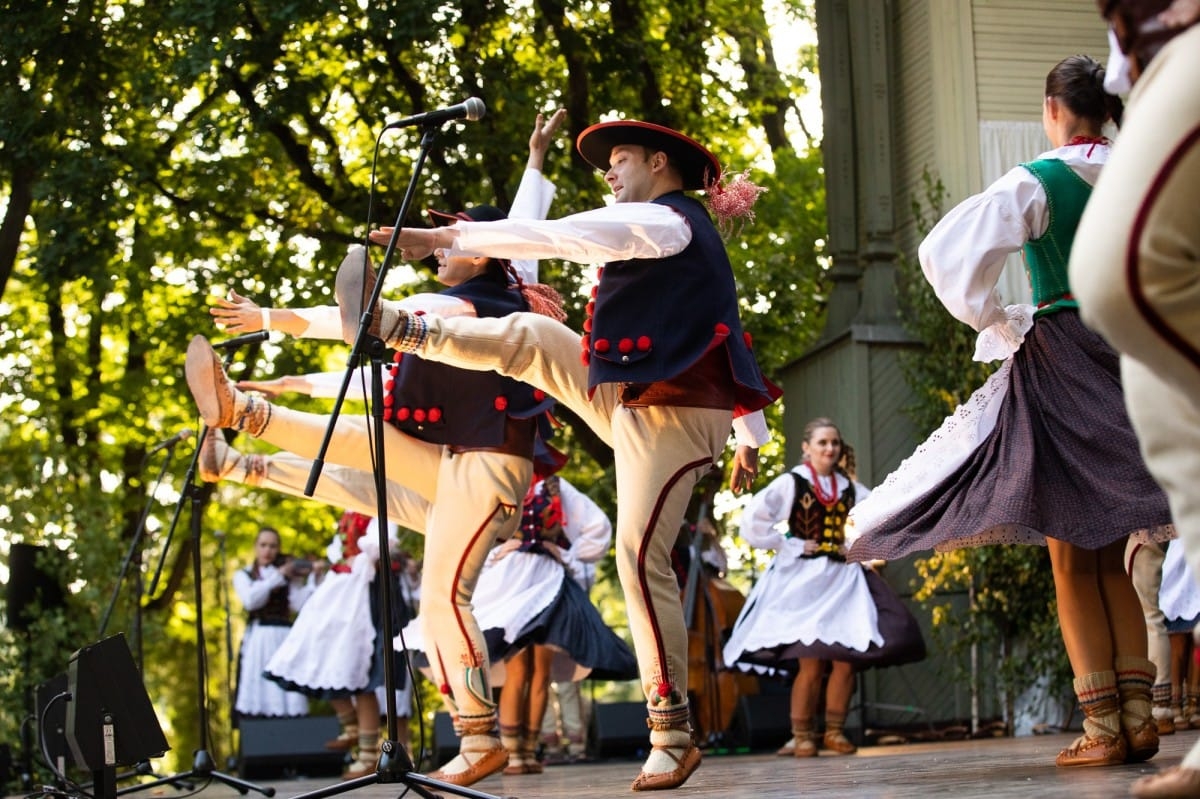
(963, 256)
(587, 526)
(298, 593)
(532, 201)
(766, 511)
(617, 232)
(252, 593)
(325, 321)
(369, 543)
(751, 430)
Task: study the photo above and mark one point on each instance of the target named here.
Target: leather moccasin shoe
(686, 764)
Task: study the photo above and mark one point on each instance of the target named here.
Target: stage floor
(994, 767)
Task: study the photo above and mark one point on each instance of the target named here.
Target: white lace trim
(934, 460)
(999, 341)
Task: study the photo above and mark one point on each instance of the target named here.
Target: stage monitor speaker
(445, 739)
(52, 721)
(761, 721)
(110, 721)
(293, 746)
(29, 586)
(619, 730)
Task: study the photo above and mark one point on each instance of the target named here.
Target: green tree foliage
(1012, 614)
(154, 154)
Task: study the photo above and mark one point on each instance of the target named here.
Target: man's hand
(745, 469)
(416, 243)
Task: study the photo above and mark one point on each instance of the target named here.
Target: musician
(271, 589)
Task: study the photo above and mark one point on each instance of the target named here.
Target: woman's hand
(543, 134)
(502, 551)
(236, 314)
(273, 388)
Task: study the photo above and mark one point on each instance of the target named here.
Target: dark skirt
(1062, 461)
(572, 625)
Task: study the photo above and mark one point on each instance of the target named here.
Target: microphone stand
(202, 762)
(395, 763)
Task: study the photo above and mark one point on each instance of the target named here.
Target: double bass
(710, 608)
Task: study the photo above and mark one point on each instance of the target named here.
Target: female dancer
(1044, 451)
(811, 608)
(272, 592)
(529, 594)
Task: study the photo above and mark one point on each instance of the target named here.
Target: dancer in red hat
(662, 370)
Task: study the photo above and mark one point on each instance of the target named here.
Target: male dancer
(462, 448)
(661, 371)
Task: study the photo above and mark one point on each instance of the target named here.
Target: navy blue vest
(443, 404)
(653, 318)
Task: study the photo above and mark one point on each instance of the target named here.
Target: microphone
(470, 109)
(183, 434)
(249, 338)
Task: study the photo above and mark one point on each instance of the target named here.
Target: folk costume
(464, 456)
(527, 595)
(341, 617)
(1044, 449)
(271, 601)
(815, 605)
(1017, 461)
(1137, 279)
(662, 370)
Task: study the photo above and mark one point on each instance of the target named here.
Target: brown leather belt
(518, 440)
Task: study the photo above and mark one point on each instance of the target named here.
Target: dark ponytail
(1078, 82)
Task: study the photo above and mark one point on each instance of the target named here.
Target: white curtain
(1003, 145)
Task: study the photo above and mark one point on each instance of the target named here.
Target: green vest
(1046, 257)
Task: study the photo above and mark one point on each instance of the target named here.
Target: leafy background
(153, 155)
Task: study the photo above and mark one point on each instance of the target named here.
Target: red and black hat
(697, 166)
(480, 213)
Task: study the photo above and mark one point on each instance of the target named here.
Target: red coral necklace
(828, 499)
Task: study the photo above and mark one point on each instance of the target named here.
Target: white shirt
(764, 519)
(963, 256)
(532, 201)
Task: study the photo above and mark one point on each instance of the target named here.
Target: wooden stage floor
(994, 767)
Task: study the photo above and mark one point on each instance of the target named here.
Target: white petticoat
(332, 642)
(1179, 596)
(936, 459)
(805, 600)
(256, 695)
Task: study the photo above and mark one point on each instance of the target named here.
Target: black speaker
(619, 729)
(269, 747)
(52, 720)
(761, 721)
(110, 721)
(29, 585)
(445, 739)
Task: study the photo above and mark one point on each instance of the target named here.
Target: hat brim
(477, 213)
(697, 166)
